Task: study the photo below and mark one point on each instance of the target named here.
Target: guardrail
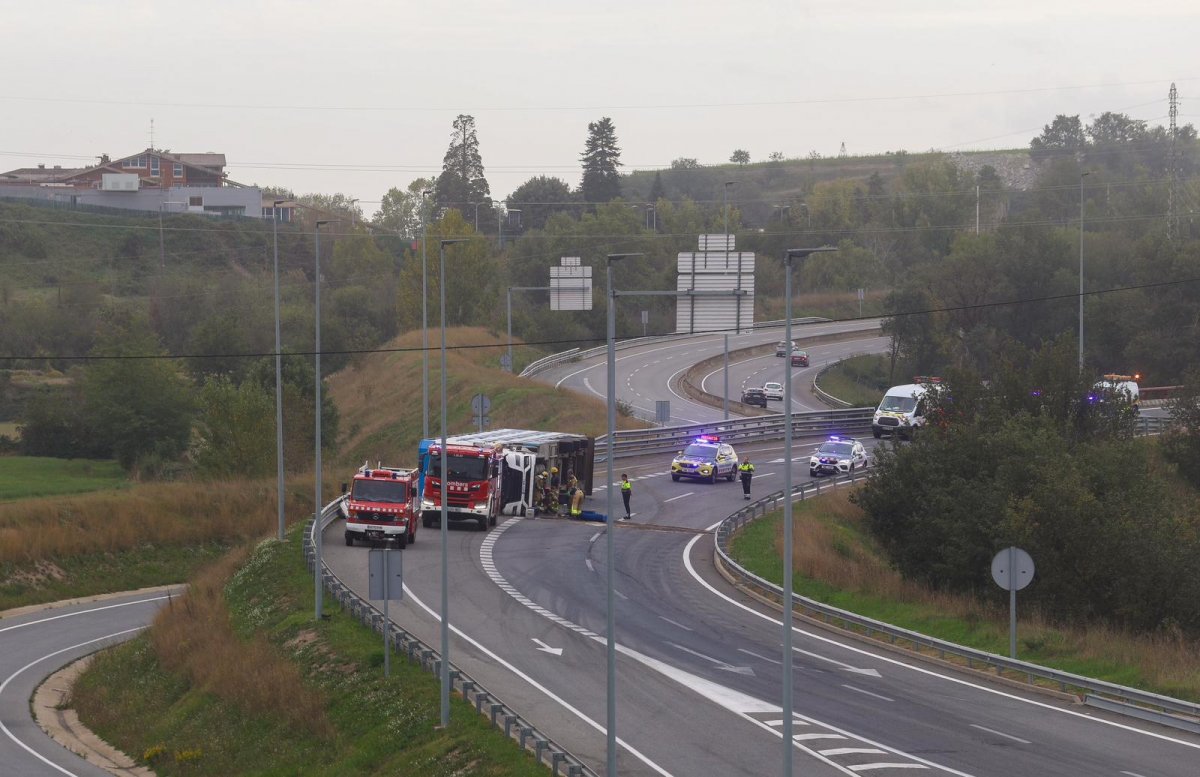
(574, 354)
(1164, 709)
(637, 442)
(544, 749)
(824, 396)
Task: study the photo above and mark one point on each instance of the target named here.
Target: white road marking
(542, 646)
(839, 664)
(681, 496)
(807, 737)
(1133, 774)
(921, 670)
(17, 673)
(868, 693)
(1001, 734)
(740, 704)
(720, 664)
(885, 765)
(82, 612)
(762, 658)
(852, 751)
(676, 623)
(588, 561)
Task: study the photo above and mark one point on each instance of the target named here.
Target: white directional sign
(571, 285)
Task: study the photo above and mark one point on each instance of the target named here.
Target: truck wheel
(412, 535)
(877, 432)
(349, 540)
(402, 541)
(484, 523)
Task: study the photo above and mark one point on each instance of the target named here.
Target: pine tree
(601, 158)
(462, 183)
(657, 190)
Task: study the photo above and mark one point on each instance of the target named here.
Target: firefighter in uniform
(552, 498)
(746, 472)
(539, 499)
(564, 492)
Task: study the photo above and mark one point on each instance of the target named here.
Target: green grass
(862, 380)
(379, 726)
(1091, 653)
(68, 578)
(22, 477)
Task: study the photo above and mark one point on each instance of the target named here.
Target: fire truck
(494, 473)
(379, 505)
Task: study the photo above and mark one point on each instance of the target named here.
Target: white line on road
(1001, 734)
(761, 658)
(12, 676)
(843, 666)
(1133, 774)
(588, 561)
(676, 623)
(720, 664)
(852, 751)
(83, 612)
(806, 737)
(884, 765)
(681, 496)
(868, 693)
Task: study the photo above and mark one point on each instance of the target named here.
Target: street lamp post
(319, 590)
(424, 320)
(611, 721)
(278, 371)
(738, 298)
(162, 251)
(445, 667)
(1082, 175)
(788, 742)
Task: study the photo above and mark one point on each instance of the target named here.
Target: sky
(358, 96)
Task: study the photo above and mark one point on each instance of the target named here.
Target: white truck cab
(902, 409)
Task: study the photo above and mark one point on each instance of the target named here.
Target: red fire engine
(379, 506)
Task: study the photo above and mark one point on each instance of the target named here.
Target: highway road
(699, 663)
(36, 644)
(647, 373)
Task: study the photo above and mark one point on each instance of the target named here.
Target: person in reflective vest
(746, 472)
(626, 492)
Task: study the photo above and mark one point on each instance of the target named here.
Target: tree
(400, 211)
(657, 190)
(236, 435)
(601, 158)
(685, 163)
(135, 396)
(314, 207)
(462, 182)
(1063, 136)
(740, 157)
(541, 197)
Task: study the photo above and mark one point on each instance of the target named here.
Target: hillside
(379, 396)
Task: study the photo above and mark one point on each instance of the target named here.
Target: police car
(706, 458)
(837, 456)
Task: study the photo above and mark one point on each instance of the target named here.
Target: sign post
(1012, 569)
(385, 581)
(481, 404)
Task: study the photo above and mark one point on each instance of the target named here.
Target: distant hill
(761, 186)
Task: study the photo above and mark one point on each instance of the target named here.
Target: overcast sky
(358, 96)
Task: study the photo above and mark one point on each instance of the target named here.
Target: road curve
(33, 645)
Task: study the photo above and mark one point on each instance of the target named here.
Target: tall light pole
(424, 319)
(319, 590)
(1082, 175)
(162, 251)
(788, 742)
(738, 298)
(278, 371)
(782, 210)
(445, 534)
(611, 724)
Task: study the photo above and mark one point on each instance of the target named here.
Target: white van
(902, 409)
(1123, 387)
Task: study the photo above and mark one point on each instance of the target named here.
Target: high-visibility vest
(626, 485)
(746, 468)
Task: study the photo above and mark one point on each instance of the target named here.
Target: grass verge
(237, 679)
(836, 562)
(862, 380)
(22, 477)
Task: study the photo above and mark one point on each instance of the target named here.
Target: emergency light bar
(708, 438)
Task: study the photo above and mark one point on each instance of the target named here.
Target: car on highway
(781, 347)
(773, 390)
(754, 396)
(799, 358)
(837, 456)
(706, 458)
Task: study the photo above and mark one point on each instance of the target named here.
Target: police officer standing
(626, 492)
(746, 472)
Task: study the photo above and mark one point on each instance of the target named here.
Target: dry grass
(192, 636)
(379, 397)
(151, 514)
(831, 546)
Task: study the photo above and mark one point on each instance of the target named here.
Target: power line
(563, 341)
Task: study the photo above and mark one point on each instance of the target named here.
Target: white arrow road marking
(1001, 734)
(839, 664)
(720, 664)
(547, 649)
